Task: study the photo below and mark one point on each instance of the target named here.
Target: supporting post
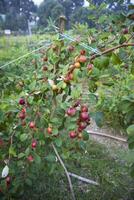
(62, 23)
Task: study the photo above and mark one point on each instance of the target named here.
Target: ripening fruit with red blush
(32, 125)
(71, 111)
(82, 52)
(34, 144)
(82, 125)
(1, 143)
(82, 59)
(22, 101)
(84, 108)
(49, 130)
(23, 123)
(22, 115)
(71, 48)
(45, 68)
(72, 134)
(45, 59)
(84, 116)
(125, 31)
(23, 110)
(30, 158)
(90, 67)
(1, 190)
(8, 181)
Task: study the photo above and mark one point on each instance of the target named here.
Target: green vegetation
(49, 99)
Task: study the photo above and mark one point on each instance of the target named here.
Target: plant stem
(66, 172)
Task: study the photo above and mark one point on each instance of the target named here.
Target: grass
(12, 47)
(112, 173)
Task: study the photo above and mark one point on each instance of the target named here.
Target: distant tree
(2, 7)
(17, 12)
(80, 16)
(119, 5)
(48, 9)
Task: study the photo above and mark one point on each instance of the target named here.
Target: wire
(49, 43)
(21, 57)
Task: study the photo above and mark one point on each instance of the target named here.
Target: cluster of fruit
(83, 120)
(78, 62)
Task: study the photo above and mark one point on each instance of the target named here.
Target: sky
(39, 1)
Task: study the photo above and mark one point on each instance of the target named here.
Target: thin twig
(83, 179)
(132, 35)
(111, 49)
(108, 136)
(66, 172)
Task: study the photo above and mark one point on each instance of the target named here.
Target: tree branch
(108, 136)
(66, 172)
(111, 49)
(83, 179)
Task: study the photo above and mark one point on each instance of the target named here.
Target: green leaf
(32, 85)
(37, 159)
(82, 145)
(55, 131)
(12, 151)
(58, 142)
(21, 155)
(50, 158)
(28, 182)
(131, 141)
(122, 39)
(23, 137)
(99, 118)
(130, 130)
(115, 59)
(85, 135)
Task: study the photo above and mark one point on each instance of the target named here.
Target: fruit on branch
(54, 87)
(77, 103)
(125, 31)
(76, 59)
(84, 108)
(72, 134)
(77, 65)
(23, 123)
(80, 136)
(82, 52)
(1, 143)
(30, 158)
(49, 130)
(22, 115)
(82, 125)
(34, 144)
(32, 125)
(71, 48)
(68, 78)
(71, 112)
(23, 110)
(34, 62)
(22, 101)
(82, 59)
(8, 181)
(84, 116)
(45, 59)
(45, 68)
(90, 67)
